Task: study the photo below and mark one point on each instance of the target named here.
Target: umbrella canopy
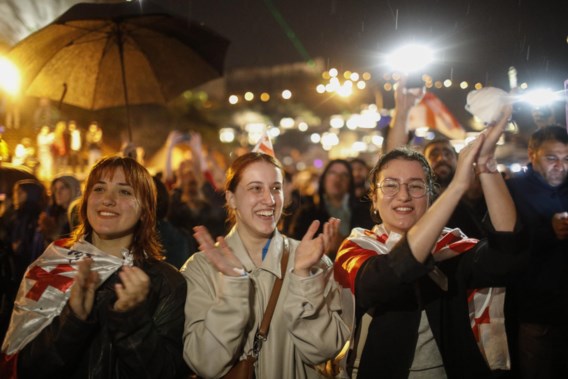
(9, 175)
(99, 55)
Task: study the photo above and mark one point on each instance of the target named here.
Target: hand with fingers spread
(133, 290)
(83, 291)
(221, 256)
(310, 250)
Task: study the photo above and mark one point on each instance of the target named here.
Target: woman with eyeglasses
(414, 281)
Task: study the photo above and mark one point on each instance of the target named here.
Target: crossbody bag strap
(262, 332)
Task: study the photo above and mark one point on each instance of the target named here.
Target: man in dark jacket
(541, 296)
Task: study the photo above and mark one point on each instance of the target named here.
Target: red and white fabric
(432, 113)
(264, 145)
(485, 305)
(44, 291)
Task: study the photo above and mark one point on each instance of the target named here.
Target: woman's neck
(112, 246)
(253, 245)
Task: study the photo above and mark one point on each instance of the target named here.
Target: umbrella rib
(101, 35)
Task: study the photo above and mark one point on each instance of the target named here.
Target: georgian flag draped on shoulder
(485, 305)
(44, 291)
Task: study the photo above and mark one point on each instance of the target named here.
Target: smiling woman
(229, 285)
(103, 301)
(418, 286)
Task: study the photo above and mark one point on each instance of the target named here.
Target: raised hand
(133, 290)
(406, 98)
(83, 291)
(465, 173)
(221, 256)
(310, 250)
(492, 134)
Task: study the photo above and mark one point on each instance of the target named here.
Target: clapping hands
(221, 256)
(310, 250)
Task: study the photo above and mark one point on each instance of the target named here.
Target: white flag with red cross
(45, 289)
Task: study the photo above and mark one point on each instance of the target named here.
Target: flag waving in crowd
(431, 112)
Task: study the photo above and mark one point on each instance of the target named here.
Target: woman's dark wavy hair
(145, 242)
(235, 174)
(36, 197)
(407, 155)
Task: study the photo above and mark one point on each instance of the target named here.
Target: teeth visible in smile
(107, 214)
(403, 209)
(266, 213)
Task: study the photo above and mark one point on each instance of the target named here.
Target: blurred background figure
(177, 247)
(45, 139)
(543, 116)
(194, 199)
(94, 142)
(17, 251)
(4, 150)
(75, 148)
(53, 223)
(335, 198)
(24, 154)
(59, 147)
(45, 114)
(361, 171)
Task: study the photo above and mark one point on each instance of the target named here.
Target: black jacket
(397, 288)
(145, 342)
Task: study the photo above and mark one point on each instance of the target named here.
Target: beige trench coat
(223, 313)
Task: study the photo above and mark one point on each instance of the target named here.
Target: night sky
(474, 40)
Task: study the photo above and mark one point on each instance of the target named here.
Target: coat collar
(272, 261)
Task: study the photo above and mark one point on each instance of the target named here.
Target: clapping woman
(229, 284)
(102, 304)
(414, 280)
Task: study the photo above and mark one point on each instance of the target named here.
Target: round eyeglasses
(415, 188)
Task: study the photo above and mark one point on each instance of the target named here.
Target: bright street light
(9, 77)
(410, 58)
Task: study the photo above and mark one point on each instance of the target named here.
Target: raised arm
(404, 100)
(422, 236)
(500, 204)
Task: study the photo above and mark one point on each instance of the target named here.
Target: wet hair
(321, 184)
(548, 133)
(406, 154)
(235, 174)
(145, 241)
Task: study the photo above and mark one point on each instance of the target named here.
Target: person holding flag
(414, 281)
(101, 304)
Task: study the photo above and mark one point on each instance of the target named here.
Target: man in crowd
(540, 298)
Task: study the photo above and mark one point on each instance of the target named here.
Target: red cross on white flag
(46, 287)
